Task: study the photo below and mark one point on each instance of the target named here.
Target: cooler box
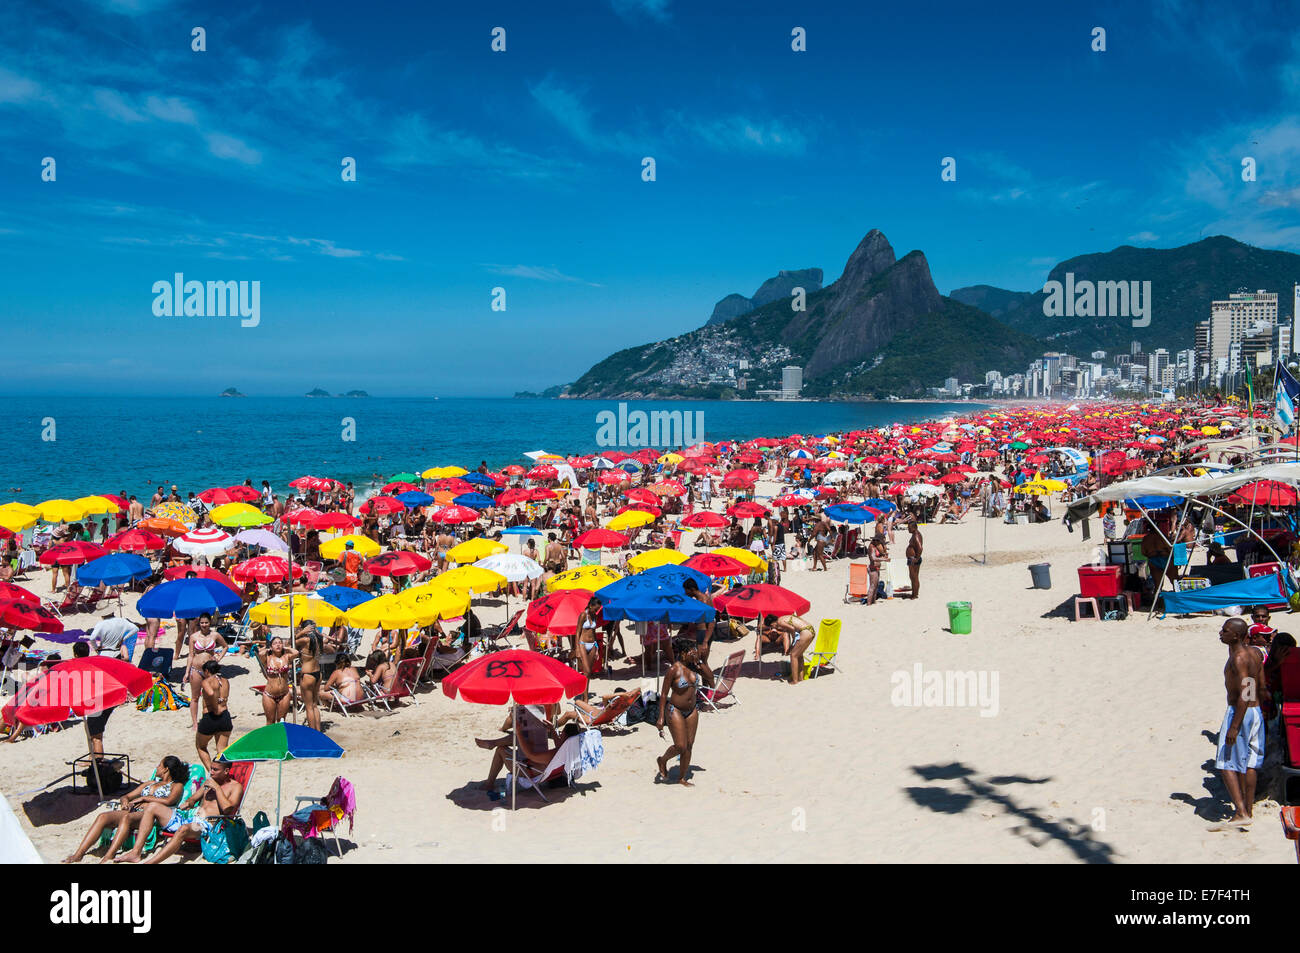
(1099, 582)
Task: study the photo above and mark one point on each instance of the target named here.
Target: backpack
(225, 839)
(312, 851)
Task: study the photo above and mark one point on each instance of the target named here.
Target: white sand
(1100, 749)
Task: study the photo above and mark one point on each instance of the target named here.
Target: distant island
(549, 393)
(324, 393)
(231, 392)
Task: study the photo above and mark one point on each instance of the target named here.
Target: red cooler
(1099, 582)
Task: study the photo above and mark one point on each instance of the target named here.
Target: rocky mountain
(779, 287)
(1184, 281)
(882, 324)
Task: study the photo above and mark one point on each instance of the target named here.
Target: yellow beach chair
(824, 649)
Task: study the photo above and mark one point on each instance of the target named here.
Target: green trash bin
(959, 618)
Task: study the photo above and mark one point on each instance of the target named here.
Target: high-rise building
(791, 381)
(1135, 348)
(1234, 318)
(1157, 361)
(952, 386)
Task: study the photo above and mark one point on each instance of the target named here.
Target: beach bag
(110, 776)
(161, 697)
(312, 851)
(224, 840)
(284, 850)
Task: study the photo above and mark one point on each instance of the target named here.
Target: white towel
(590, 752)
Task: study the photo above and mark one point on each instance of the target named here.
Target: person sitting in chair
(220, 796)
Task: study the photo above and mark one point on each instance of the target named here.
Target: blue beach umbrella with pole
(115, 569)
(413, 498)
(474, 500)
(188, 599)
(482, 479)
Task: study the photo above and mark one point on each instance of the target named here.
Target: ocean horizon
(75, 446)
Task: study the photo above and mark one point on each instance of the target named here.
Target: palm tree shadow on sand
(971, 790)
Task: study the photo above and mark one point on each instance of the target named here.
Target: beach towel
(590, 752)
(162, 697)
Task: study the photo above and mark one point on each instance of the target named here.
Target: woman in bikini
(381, 672)
(205, 646)
(677, 696)
(799, 635)
(345, 681)
(308, 644)
(165, 788)
(587, 639)
(277, 662)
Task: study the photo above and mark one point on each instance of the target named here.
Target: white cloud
(538, 273)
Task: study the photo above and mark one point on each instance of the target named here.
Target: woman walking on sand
(678, 694)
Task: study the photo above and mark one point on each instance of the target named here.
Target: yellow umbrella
(584, 577)
(443, 473)
(239, 514)
(17, 517)
(470, 579)
(364, 545)
(179, 512)
(752, 560)
(472, 550)
(97, 505)
(431, 602)
(52, 511)
(655, 557)
(276, 611)
(382, 612)
(1210, 431)
(673, 458)
(630, 519)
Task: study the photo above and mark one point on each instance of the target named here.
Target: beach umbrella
(97, 505)
(239, 514)
(187, 599)
(454, 514)
(442, 473)
(312, 483)
(115, 569)
(600, 539)
(750, 559)
(84, 686)
(399, 487)
(262, 538)
(557, 613)
(291, 609)
(472, 550)
(849, 513)
(666, 577)
(70, 554)
(758, 600)
(453, 485)
(364, 545)
(430, 602)
(542, 471)
(583, 577)
(660, 604)
(471, 579)
(629, 519)
(515, 676)
(613, 477)
(705, 519)
(265, 570)
(1264, 493)
(397, 563)
(641, 495)
(281, 742)
(747, 509)
(20, 613)
(164, 525)
(209, 541)
(382, 612)
(171, 510)
(480, 479)
(415, 498)
(200, 572)
(652, 558)
(134, 541)
(216, 496)
(334, 522)
(514, 566)
(383, 505)
(10, 591)
(712, 564)
(17, 517)
(667, 488)
(55, 511)
(473, 500)
(343, 597)
(879, 504)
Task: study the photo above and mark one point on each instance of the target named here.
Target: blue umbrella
(879, 504)
(522, 531)
(482, 479)
(660, 577)
(341, 597)
(413, 498)
(115, 569)
(848, 513)
(660, 604)
(631, 466)
(475, 500)
(187, 599)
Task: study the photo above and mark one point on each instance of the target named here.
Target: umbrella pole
(279, 777)
(514, 766)
(758, 649)
(90, 750)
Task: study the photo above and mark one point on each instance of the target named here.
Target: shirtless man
(219, 795)
(555, 560)
(1241, 737)
(215, 722)
(915, 546)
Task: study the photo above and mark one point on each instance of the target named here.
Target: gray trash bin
(1042, 575)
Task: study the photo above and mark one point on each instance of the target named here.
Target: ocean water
(109, 445)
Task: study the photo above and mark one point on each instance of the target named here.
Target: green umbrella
(404, 478)
(281, 742)
(1019, 446)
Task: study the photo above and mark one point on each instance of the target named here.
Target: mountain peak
(872, 256)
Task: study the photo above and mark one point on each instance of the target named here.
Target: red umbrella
(86, 686)
(217, 496)
(264, 569)
(539, 493)
(455, 514)
(791, 499)
(303, 515)
(21, 613)
(514, 675)
(9, 591)
(246, 494)
(600, 539)
(334, 521)
(542, 472)
(747, 509)
(711, 564)
(201, 572)
(750, 602)
(641, 494)
(704, 519)
(516, 470)
(952, 478)
(1265, 493)
(383, 505)
(119, 501)
(737, 478)
(400, 486)
(455, 485)
(510, 497)
(642, 507)
(312, 483)
(610, 477)
(71, 554)
(397, 564)
(557, 613)
(134, 541)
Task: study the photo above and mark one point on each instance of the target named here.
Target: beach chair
(71, 599)
(531, 777)
(324, 814)
(241, 771)
(824, 649)
(504, 633)
(726, 684)
(656, 634)
(403, 685)
(590, 557)
(610, 714)
(859, 585)
(313, 572)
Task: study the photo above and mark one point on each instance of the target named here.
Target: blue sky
(522, 170)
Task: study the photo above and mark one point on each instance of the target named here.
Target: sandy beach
(1099, 747)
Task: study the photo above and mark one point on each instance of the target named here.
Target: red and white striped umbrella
(209, 541)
